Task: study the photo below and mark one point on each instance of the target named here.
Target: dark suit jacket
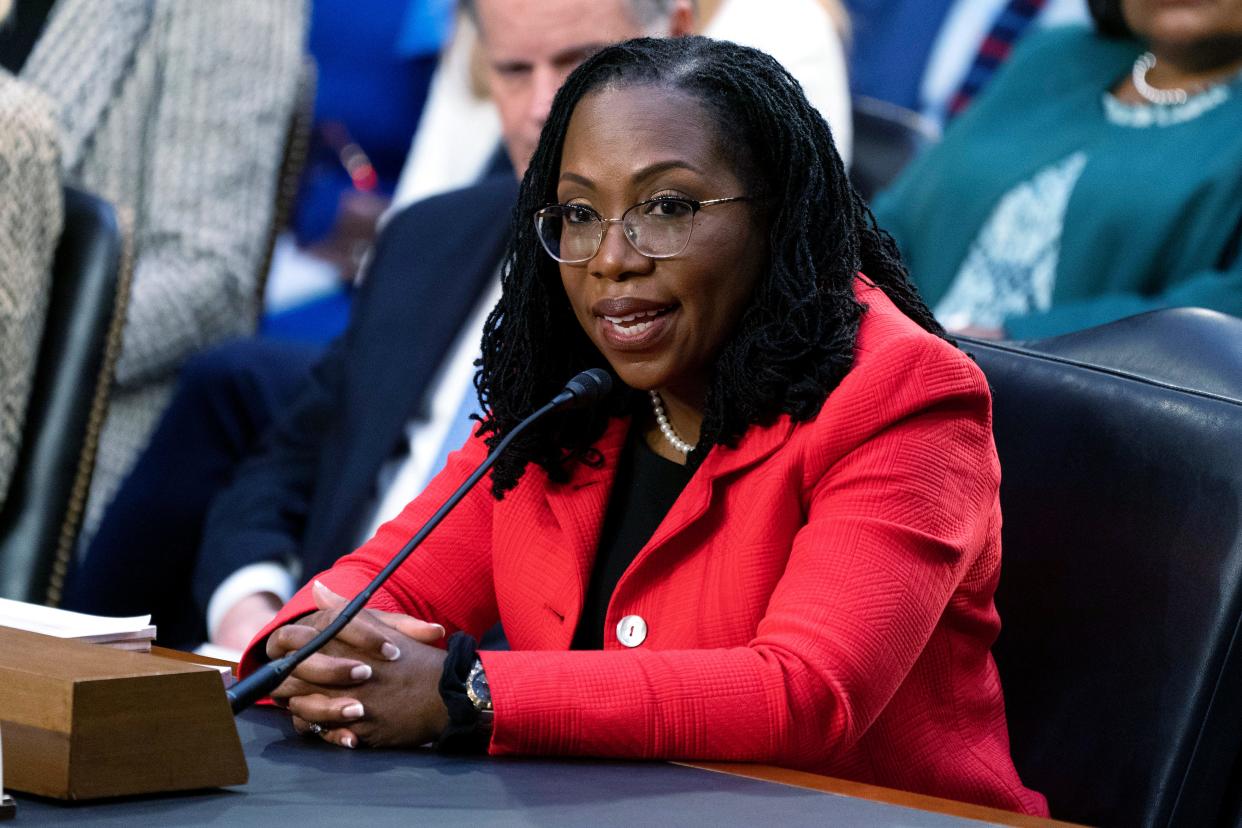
(303, 495)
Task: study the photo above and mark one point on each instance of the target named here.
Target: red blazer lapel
(756, 445)
(557, 565)
(578, 507)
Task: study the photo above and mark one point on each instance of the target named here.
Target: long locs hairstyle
(794, 342)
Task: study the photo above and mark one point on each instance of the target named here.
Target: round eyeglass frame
(543, 213)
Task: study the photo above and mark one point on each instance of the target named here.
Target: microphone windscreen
(589, 387)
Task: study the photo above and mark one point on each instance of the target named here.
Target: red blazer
(819, 597)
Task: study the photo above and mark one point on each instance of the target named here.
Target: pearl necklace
(666, 428)
(1160, 97)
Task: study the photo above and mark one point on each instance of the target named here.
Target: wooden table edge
(890, 796)
(794, 778)
(192, 658)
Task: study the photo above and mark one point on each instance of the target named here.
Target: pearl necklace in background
(666, 428)
(1160, 97)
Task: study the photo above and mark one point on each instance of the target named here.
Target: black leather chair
(81, 339)
(1185, 347)
(1233, 811)
(886, 137)
(1121, 587)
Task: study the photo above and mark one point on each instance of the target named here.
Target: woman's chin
(638, 379)
(639, 359)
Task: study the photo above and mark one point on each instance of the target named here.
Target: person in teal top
(1099, 176)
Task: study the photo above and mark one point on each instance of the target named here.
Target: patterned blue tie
(1013, 22)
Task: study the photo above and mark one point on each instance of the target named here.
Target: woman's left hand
(399, 705)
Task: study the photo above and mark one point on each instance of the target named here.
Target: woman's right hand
(246, 619)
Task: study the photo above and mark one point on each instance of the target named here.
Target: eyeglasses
(658, 228)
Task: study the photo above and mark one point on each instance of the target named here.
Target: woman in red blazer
(778, 540)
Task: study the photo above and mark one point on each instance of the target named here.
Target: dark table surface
(305, 782)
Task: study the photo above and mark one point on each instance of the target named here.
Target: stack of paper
(8, 808)
(134, 633)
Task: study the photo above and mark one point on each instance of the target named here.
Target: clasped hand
(375, 684)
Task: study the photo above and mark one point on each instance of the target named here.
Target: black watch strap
(470, 728)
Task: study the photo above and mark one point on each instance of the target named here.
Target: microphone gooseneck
(583, 390)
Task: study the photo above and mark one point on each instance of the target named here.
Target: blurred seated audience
(373, 62)
(806, 37)
(458, 136)
(934, 56)
(1099, 177)
(30, 223)
(358, 436)
(175, 112)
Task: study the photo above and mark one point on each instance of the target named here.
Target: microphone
(583, 390)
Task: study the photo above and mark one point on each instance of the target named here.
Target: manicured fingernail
(440, 627)
(352, 711)
(348, 741)
(390, 652)
(360, 673)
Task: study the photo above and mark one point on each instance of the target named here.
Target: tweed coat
(176, 112)
(30, 223)
(819, 596)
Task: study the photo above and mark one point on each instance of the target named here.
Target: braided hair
(1108, 18)
(795, 340)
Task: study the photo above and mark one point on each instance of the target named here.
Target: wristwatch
(479, 693)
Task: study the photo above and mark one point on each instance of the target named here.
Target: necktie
(1006, 31)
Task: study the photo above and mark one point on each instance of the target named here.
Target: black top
(19, 34)
(643, 491)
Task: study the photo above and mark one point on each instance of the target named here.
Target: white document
(64, 624)
(6, 802)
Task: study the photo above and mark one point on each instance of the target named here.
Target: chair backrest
(1121, 586)
(78, 351)
(1190, 348)
(1233, 809)
(886, 138)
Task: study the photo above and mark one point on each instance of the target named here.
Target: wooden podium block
(83, 721)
